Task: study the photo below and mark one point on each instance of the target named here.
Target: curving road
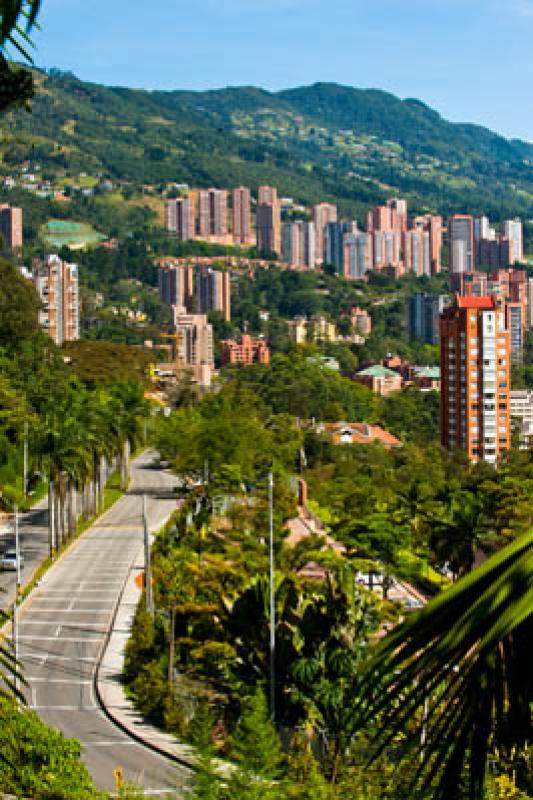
(63, 627)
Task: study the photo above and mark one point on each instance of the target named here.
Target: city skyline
(248, 44)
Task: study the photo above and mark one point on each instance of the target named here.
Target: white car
(9, 561)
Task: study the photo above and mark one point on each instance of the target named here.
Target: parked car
(9, 561)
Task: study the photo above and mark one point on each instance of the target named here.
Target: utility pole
(272, 597)
(147, 565)
(25, 479)
(14, 631)
(17, 550)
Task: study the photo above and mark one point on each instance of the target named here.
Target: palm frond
(457, 675)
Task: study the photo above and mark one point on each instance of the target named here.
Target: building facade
(423, 316)
(195, 347)
(298, 246)
(475, 378)
(214, 292)
(56, 283)
(247, 351)
(268, 227)
(461, 243)
(241, 215)
(10, 228)
(323, 214)
(176, 286)
(180, 218)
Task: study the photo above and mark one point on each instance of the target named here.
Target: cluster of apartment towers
(392, 240)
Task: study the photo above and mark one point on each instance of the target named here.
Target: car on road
(9, 561)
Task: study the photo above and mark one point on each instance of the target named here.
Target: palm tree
(455, 679)
(17, 17)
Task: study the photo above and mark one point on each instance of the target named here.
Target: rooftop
(359, 433)
(377, 371)
(475, 302)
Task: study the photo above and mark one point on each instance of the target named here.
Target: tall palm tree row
(78, 443)
(454, 681)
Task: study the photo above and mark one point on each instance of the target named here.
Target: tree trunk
(57, 543)
(71, 508)
(51, 508)
(125, 465)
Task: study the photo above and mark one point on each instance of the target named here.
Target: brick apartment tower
(10, 228)
(179, 217)
(212, 213)
(475, 371)
(241, 215)
(176, 286)
(56, 283)
(323, 213)
(268, 221)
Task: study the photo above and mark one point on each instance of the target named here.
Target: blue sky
(470, 59)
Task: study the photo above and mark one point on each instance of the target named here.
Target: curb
(98, 680)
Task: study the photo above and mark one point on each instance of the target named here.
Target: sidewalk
(110, 689)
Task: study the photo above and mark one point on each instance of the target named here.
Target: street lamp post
(272, 597)
(25, 479)
(17, 550)
(147, 563)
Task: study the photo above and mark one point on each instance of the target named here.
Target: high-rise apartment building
(323, 213)
(214, 292)
(423, 313)
(10, 228)
(298, 246)
(195, 346)
(390, 217)
(432, 225)
(357, 255)
(179, 216)
(212, 213)
(461, 243)
(268, 222)
(512, 230)
(334, 243)
(241, 215)
(386, 248)
(417, 252)
(56, 283)
(475, 372)
(176, 286)
(267, 195)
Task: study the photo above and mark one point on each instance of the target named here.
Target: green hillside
(318, 142)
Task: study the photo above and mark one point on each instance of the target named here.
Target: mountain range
(319, 142)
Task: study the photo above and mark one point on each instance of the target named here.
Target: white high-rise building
(461, 243)
(512, 230)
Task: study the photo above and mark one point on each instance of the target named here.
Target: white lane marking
(58, 680)
(108, 744)
(56, 657)
(95, 640)
(70, 611)
(64, 708)
(66, 625)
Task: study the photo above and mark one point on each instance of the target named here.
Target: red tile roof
(475, 302)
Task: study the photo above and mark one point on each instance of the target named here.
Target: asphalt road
(62, 630)
(33, 538)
